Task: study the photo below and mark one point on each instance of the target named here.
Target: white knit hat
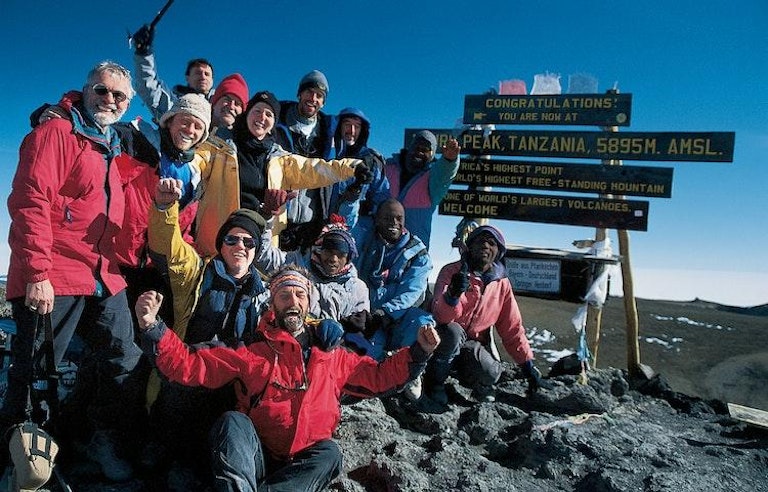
(196, 105)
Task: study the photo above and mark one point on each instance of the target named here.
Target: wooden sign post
(611, 181)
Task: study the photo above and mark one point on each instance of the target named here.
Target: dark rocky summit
(606, 434)
(602, 436)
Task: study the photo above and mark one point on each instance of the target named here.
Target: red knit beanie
(234, 85)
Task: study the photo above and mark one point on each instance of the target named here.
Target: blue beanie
(341, 241)
(316, 80)
(428, 137)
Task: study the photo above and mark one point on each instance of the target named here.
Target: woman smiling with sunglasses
(216, 300)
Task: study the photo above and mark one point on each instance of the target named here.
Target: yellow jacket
(185, 266)
(221, 185)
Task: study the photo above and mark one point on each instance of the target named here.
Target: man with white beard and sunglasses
(67, 207)
(288, 384)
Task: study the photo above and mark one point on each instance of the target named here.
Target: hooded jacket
(67, 206)
(488, 302)
(359, 213)
(335, 297)
(292, 404)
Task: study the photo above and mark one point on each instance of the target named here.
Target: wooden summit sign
(553, 209)
(570, 109)
(580, 178)
(639, 146)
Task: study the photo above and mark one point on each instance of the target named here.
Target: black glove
(459, 282)
(289, 240)
(143, 40)
(379, 321)
(363, 174)
(374, 161)
(533, 376)
(356, 322)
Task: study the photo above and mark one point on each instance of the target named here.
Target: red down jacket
(63, 219)
(291, 406)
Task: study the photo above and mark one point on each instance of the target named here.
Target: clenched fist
(147, 307)
(428, 338)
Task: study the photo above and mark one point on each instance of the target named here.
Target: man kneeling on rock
(471, 296)
(289, 382)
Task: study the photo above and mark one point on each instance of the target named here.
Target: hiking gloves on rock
(533, 376)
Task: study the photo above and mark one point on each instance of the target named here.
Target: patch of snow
(668, 344)
(687, 321)
(539, 338)
(553, 355)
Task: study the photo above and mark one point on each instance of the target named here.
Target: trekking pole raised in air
(154, 22)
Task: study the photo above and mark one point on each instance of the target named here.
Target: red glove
(274, 200)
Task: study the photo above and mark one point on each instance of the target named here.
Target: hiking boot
(438, 395)
(412, 390)
(154, 455)
(182, 478)
(103, 450)
(484, 393)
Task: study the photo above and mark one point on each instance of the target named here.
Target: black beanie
(244, 218)
(267, 98)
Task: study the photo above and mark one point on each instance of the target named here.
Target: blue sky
(690, 66)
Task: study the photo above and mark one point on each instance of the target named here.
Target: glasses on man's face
(101, 90)
(248, 242)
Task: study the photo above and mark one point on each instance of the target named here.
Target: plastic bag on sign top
(582, 83)
(515, 87)
(546, 83)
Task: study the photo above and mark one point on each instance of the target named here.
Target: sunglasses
(101, 90)
(248, 242)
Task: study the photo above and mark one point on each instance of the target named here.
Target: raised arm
(444, 170)
(183, 264)
(153, 92)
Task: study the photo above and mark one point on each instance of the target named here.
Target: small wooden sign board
(749, 415)
(637, 146)
(579, 178)
(565, 109)
(551, 209)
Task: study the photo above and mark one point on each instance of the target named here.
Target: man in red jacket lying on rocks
(289, 382)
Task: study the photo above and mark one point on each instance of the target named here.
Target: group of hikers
(236, 269)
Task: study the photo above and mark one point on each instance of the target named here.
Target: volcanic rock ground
(608, 433)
